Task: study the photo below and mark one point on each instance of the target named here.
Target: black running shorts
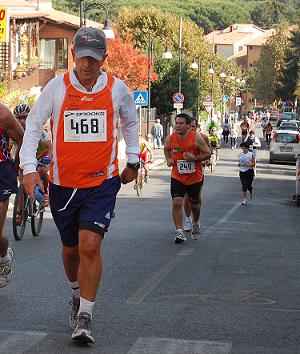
(179, 189)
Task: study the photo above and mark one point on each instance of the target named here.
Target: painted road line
(178, 346)
(16, 342)
(139, 296)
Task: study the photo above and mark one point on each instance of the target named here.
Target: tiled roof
(261, 40)
(26, 9)
(233, 34)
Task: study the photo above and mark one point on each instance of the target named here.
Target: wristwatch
(135, 166)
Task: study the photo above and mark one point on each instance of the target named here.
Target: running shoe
(82, 333)
(6, 269)
(75, 303)
(179, 236)
(244, 202)
(187, 225)
(195, 231)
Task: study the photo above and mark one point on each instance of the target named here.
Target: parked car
(286, 116)
(284, 146)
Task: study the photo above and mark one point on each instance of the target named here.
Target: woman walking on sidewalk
(246, 165)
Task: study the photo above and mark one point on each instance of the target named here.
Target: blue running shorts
(83, 209)
(8, 180)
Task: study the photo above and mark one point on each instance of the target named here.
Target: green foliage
(265, 78)
(289, 78)
(163, 90)
(219, 14)
(208, 14)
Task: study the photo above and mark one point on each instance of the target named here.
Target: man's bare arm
(204, 149)
(168, 152)
(10, 124)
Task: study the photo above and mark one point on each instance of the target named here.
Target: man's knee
(177, 202)
(89, 247)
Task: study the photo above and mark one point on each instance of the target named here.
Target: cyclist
(184, 152)
(9, 128)
(212, 124)
(215, 141)
(44, 150)
(145, 148)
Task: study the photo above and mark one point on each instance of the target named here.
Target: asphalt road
(234, 291)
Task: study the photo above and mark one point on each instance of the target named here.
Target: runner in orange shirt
(184, 151)
(85, 106)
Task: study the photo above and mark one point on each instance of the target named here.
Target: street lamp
(180, 54)
(197, 66)
(211, 71)
(222, 76)
(109, 33)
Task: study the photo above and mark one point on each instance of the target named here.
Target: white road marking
(139, 296)
(178, 346)
(16, 342)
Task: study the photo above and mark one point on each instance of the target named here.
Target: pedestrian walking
(245, 128)
(9, 128)
(246, 165)
(184, 151)
(84, 105)
(157, 133)
(233, 135)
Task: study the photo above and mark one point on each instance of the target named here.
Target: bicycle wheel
(20, 213)
(37, 216)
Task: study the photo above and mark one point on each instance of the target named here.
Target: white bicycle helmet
(21, 110)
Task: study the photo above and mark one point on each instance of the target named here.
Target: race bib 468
(85, 126)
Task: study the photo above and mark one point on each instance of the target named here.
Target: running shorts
(179, 189)
(83, 209)
(143, 156)
(8, 180)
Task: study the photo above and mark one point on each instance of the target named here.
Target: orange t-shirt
(184, 171)
(85, 145)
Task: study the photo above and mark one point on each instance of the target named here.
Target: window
(287, 138)
(54, 54)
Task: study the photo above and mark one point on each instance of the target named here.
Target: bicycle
(140, 180)
(25, 209)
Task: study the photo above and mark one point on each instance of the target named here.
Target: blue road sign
(140, 98)
(225, 98)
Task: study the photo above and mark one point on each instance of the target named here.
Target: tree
(219, 14)
(164, 89)
(128, 63)
(289, 75)
(265, 77)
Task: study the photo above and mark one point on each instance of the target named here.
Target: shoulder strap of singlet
(110, 80)
(67, 80)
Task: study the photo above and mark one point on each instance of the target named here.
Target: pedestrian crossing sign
(140, 98)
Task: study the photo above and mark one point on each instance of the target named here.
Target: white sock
(188, 218)
(5, 259)
(74, 285)
(86, 306)
(178, 229)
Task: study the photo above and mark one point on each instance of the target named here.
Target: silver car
(284, 146)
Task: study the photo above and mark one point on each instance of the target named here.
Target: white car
(284, 146)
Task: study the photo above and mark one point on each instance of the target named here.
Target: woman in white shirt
(246, 164)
